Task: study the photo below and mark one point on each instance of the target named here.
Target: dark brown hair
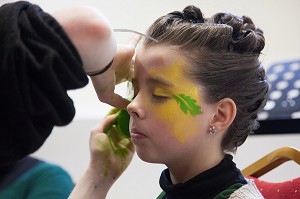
(223, 51)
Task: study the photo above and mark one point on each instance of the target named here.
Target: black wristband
(101, 71)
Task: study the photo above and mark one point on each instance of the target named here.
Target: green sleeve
(227, 192)
(46, 181)
(162, 195)
(50, 182)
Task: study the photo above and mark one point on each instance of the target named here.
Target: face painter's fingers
(135, 40)
(126, 143)
(122, 62)
(106, 122)
(105, 86)
(124, 59)
(118, 101)
(98, 139)
(110, 153)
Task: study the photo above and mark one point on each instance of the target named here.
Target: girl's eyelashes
(157, 95)
(155, 98)
(134, 96)
(160, 99)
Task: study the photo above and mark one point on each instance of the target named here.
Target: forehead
(158, 57)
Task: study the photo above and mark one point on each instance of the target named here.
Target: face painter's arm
(106, 63)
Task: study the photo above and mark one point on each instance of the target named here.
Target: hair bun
(246, 37)
(190, 14)
(193, 14)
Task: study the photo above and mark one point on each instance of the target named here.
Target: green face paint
(187, 104)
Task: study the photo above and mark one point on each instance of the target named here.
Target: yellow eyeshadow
(162, 92)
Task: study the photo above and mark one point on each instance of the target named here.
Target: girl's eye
(135, 90)
(134, 96)
(160, 99)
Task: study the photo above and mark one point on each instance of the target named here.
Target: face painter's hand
(110, 153)
(104, 83)
(88, 30)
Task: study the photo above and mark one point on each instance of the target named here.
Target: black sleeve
(38, 64)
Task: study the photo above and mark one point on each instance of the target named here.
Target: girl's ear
(225, 114)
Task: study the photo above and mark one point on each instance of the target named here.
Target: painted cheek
(179, 113)
(180, 124)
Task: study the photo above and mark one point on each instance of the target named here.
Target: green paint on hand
(105, 172)
(187, 104)
(118, 135)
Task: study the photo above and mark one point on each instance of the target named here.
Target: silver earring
(213, 130)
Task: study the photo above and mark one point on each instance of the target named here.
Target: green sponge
(122, 125)
(122, 122)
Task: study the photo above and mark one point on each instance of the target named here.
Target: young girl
(198, 90)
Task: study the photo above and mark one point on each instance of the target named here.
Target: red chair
(275, 190)
(279, 190)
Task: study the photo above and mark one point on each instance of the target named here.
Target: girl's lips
(136, 135)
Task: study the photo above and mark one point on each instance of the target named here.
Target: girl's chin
(147, 158)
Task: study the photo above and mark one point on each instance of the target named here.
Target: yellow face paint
(182, 105)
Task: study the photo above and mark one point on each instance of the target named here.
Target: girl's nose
(135, 109)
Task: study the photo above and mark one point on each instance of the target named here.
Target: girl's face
(168, 114)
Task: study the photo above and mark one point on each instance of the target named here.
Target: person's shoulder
(247, 191)
(48, 174)
(50, 168)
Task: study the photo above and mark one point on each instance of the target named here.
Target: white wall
(68, 146)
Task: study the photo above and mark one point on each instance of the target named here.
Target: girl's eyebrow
(160, 81)
(154, 80)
